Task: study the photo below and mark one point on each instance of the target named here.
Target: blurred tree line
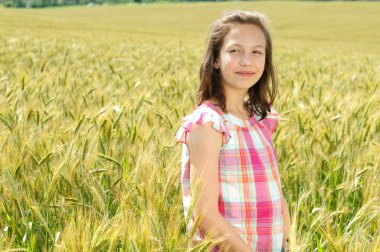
(47, 3)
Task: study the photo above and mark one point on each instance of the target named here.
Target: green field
(91, 97)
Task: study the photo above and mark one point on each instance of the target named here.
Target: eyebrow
(243, 46)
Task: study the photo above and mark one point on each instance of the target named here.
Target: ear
(216, 65)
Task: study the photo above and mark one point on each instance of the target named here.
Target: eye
(234, 50)
(257, 52)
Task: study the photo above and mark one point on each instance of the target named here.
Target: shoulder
(206, 116)
(203, 113)
(271, 120)
(204, 137)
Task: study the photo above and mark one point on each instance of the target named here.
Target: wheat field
(90, 100)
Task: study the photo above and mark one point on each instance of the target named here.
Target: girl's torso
(249, 180)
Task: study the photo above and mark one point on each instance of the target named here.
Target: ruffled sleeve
(271, 120)
(203, 115)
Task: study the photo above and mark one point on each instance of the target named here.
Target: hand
(287, 226)
(285, 250)
(285, 245)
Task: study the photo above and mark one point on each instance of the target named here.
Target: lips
(245, 73)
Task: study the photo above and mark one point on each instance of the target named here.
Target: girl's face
(242, 58)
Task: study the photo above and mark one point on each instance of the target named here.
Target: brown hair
(260, 95)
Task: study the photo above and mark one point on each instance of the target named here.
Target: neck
(235, 102)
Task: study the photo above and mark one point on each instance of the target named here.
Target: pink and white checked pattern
(249, 180)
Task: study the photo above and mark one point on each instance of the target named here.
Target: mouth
(245, 73)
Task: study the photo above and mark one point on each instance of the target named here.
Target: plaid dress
(250, 190)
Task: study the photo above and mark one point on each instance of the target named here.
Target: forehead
(245, 35)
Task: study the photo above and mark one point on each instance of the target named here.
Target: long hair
(261, 95)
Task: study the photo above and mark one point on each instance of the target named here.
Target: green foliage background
(56, 3)
(90, 100)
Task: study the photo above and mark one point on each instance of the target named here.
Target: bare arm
(204, 144)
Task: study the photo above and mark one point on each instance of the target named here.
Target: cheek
(229, 62)
(260, 62)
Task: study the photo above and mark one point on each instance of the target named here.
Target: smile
(245, 74)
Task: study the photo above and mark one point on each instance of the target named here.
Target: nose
(246, 59)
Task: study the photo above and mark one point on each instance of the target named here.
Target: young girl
(227, 140)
